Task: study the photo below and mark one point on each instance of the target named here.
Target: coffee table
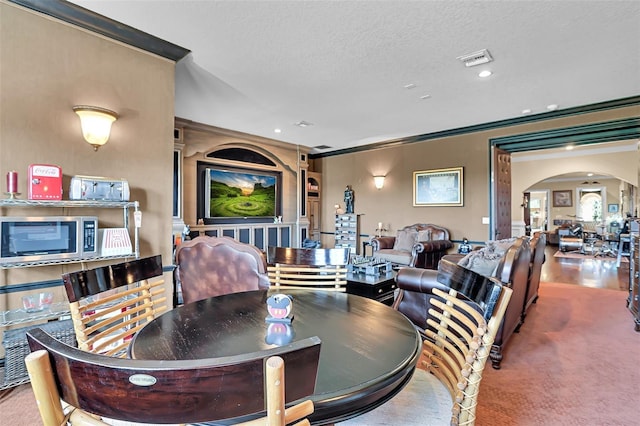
(376, 287)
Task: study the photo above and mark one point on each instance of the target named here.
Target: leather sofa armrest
(431, 246)
(418, 280)
(379, 243)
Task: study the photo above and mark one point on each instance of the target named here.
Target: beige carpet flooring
(575, 362)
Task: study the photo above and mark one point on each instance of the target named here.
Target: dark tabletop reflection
(362, 340)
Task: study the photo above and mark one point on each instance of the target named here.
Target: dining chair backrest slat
(109, 304)
(320, 269)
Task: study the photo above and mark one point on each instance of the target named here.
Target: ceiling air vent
(476, 58)
(303, 123)
(322, 147)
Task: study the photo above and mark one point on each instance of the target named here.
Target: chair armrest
(417, 279)
(453, 257)
(379, 243)
(431, 246)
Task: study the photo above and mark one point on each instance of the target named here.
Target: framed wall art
(612, 208)
(439, 187)
(563, 198)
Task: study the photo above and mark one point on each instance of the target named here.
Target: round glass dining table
(368, 352)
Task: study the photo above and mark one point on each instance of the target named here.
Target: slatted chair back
(458, 342)
(111, 303)
(175, 391)
(319, 268)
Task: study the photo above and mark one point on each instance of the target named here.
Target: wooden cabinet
(347, 231)
(634, 280)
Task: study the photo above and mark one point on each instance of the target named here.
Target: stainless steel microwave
(47, 238)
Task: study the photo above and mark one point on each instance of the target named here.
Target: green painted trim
(84, 18)
(608, 131)
(585, 109)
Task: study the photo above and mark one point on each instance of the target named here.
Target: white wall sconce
(378, 181)
(96, 124)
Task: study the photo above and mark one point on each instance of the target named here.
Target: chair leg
(44, 388)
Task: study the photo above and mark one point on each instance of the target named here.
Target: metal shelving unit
(61, 309)
(124, 205)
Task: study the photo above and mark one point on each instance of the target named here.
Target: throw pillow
(500, 246)
(405, 239)
(424, 235)
(483, 261)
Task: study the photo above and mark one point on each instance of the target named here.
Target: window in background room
(590, 205)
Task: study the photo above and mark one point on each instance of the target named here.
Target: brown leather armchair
(512, 269)
(421, 245)
(211, 266)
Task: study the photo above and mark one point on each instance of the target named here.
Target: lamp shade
(378, 181)
(96, 124)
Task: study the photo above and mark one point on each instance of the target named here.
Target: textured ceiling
(343, 65)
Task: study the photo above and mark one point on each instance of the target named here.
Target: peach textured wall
(393, 204)
(46, 68)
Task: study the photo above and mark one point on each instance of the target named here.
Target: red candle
(12, 182)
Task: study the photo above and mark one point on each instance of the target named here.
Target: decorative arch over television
(228, 194)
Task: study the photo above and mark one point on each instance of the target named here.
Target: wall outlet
(485, 220)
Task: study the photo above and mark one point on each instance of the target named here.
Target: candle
(12, 182)
(380, 225)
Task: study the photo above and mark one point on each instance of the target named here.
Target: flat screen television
(231, 195)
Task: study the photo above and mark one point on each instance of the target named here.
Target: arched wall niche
(201, 142)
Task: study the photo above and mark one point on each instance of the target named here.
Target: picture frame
(438, 187)
(563, 198)
(612, 208)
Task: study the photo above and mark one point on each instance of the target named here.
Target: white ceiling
(343, 65)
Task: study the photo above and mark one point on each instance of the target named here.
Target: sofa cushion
(481, 261)
(405, 239)
(424, 235)
(500, 246)
(394, 256)
(485, 260)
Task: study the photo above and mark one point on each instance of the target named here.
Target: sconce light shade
(96, 124)
(379, 181)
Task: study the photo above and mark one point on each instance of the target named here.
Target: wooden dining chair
(319, 268)
(111, 303)
(212, 266)
(163, 392)
(459, 336)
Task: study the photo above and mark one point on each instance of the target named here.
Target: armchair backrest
(212, 266)
(428, 231)
(158, 392)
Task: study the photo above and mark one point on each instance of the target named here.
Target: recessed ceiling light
(552, 107)
(410, 86)
(569, 147)
(484, 74)
(589, 174)
(425, 96)
(526, 111)
(277, 130)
